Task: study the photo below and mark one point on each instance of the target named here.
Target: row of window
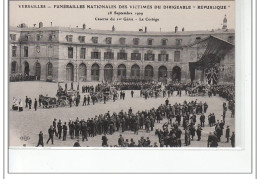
(122, 55)
(122, 40)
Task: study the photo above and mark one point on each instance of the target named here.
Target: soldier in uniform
(205, 107)
(54, 127)
(88, 99)
(132, 93)
(64, 127)
(104, 141)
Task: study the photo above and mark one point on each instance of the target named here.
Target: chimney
(145, 29)
(183, 29)
(84, 26)
(140, 30)
(113, 28)
(176, 29)
(40, 25)
(34, 25)
(51, 24)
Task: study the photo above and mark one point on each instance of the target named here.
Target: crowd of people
(22, 77)
(169, 135)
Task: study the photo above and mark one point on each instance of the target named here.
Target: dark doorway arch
(135, 72)
(176, 73)
(121, 72)
(82, 72)
(70, 72)
(26, 68)
(108, 72)
(95, 72)
(38, 70)
(148, 72)
(13, 67)
(162, 74)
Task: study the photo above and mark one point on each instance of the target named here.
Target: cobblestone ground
(30, 122)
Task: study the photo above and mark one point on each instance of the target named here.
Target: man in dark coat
(167, 102)
(50, 132)
(88, 99)
(205, 107)
(65, 128)
(30, 103)
(35, 104)
(84, 100)
(227, 134)
(132, 93)
(212, 140)
(26, 101)
(202, 120)
(59, 126)
(232, 139)
(199, 129)
(104, 141)
(40, 142)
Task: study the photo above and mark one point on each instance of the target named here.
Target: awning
(215, 50)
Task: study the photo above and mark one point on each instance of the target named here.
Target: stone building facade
(82, 54)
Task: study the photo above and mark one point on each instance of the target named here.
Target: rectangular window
(149, 57)
(95, 55)
(108, 55)
(83, 53)
(135, 56)
(177, 56)
(82, 39)
(25, 51)
(70, 52)
(50, 37)
(14, 51)
(69, 38)
(122, 56)
(163, 57)
(13, 37)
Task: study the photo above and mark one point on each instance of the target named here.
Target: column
(101, 74)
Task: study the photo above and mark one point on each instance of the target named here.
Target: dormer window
(13, 37)
(69, 38)
(164, 41)
(150, 42)
(95, 40)
(136, 41)
(178, 42)
(82, 39)
(122, 41)
(108, 40)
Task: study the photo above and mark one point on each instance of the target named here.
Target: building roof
(110, 32)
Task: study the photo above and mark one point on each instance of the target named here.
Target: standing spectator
(40, 142)
(35, 104)
(227, 134)
(232, 139)
(51, 132)
(30, 103)
(132, 93)
(26, 101)
(64, 131)
(104, 141)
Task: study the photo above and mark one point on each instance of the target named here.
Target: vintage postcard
(122, 74)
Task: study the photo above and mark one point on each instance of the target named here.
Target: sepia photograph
(121, 74)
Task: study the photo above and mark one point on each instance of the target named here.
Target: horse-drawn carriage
(197, 90)
(47, 102)
(105, 90)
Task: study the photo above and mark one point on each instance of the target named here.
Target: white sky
(193, 19)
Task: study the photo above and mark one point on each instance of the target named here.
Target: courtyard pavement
(29, 122)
